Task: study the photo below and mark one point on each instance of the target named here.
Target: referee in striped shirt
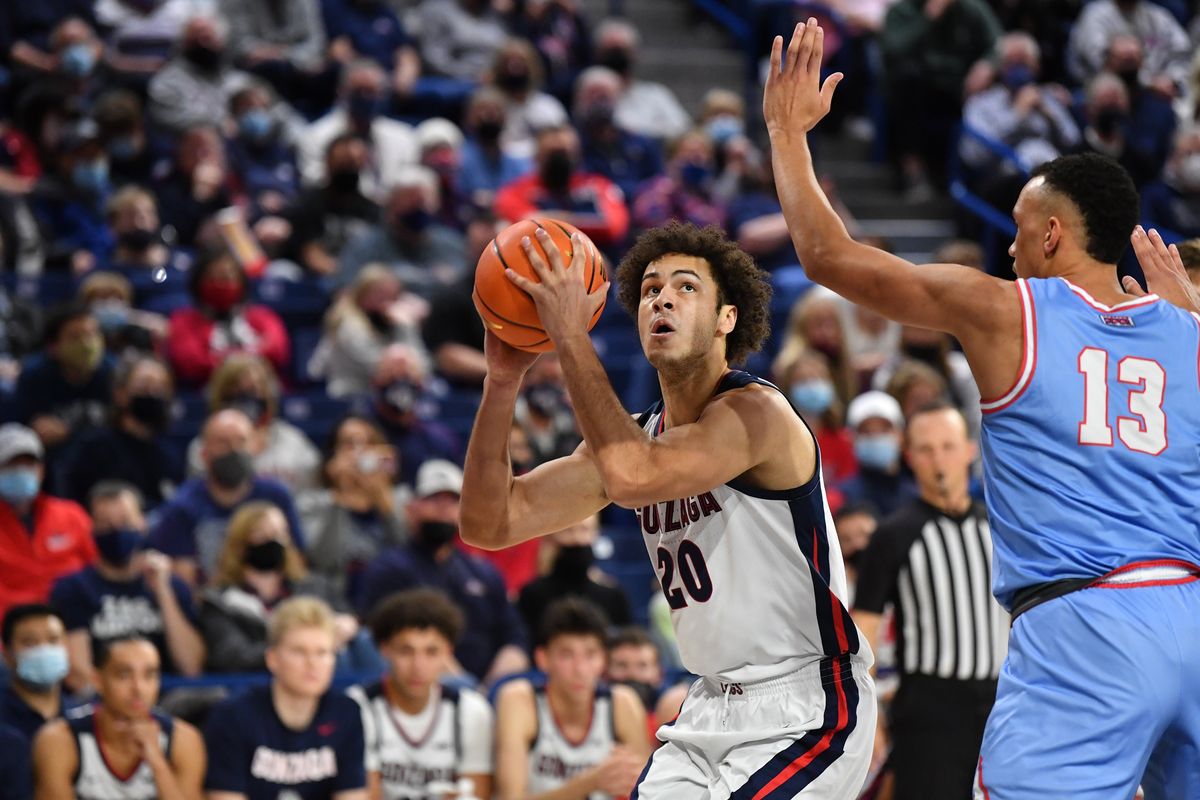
(931, 562)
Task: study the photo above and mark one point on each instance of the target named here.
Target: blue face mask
(723, 128)
(111, 314)
(812, 397)
(694, 176)
(118, 545)
(877, 451)
(416, 220)
(19, 485)
(43, 665)
(364, 108)
(255, 124)
(123, 148)
(78, 60)
(91, 176)
(1017, 76)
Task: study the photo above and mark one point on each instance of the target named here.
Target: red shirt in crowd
(61, 543)
(196, 344)
(596, 205)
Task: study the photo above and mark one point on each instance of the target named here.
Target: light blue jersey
(1092, 458)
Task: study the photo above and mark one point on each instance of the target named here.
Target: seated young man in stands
(35, 654)
(294, 738)
(418, 732)
(634, 660)
(119, 747)
(572, 738)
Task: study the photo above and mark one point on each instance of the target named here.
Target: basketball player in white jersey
(726, 482)
(119, 749)
(419, 733)
(571, 738)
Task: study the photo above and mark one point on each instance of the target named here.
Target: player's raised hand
(794, 99)
(564, 306)
(1164, 271)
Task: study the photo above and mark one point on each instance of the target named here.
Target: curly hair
(1104, 194)
(740, 283)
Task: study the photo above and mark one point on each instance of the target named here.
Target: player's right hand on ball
(504, 362)
(618, 773)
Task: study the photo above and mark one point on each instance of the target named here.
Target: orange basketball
(506, 310)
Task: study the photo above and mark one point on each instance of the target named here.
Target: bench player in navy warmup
(726, 482)
(1091, 432)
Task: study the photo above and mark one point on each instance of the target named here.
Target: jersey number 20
(1148, 382)
(693, 574)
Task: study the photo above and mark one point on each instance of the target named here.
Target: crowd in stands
(239, 359)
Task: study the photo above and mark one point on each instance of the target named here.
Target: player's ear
(1053, 236)
(539, 658)
(727, 319)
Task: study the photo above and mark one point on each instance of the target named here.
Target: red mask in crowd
(220, 294)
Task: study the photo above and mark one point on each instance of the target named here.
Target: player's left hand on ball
(794, 99)
(563, 303)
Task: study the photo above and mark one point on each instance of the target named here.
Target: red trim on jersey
(1154, 562)
(843, 719)
(1143, 584)
(1160, 562)
(982, 787)
(1091, 301)
(418, 743)
(1028, 363)
(554, 716)
(104, 754)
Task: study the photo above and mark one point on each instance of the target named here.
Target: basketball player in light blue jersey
(1091, 439)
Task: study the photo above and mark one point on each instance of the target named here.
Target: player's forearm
(617, 445)
(487, 471)
(818, 233)
(166, 782)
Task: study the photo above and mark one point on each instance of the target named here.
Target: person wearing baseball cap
(493, 641)
(877, 424)
(41, 537)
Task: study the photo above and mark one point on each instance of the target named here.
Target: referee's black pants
(937, 729)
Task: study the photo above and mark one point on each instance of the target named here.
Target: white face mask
(1187, 174)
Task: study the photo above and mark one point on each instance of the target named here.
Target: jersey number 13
(1146, 431)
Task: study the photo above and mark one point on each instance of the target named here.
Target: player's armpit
(551, 497)
(752, 428)
(55, 761)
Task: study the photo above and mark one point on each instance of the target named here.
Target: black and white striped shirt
(936, 571)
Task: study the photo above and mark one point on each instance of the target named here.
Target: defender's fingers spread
(814, 58)
(776, 57)
(794, 47)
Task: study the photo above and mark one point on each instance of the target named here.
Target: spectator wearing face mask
(361, 101)
(1152, 119)
(258, 568)
(488, 162)
(196, 186)
(260, 155)
(42, 537)
(194, 87)
(29, 26)
(358, 512)
(685, 192)
(559, 31)
(69, 204)
(517, 74)
(326, 217)
(650, 109)
(423, 253)
(441, 151)
(132, 157)
(133, 446)
(398, 389)
(280, 450)
(1159, 34)
(372, 313)
(561, 189)
(142, 254)
(35, 653)
(544, 413)
(1174, 201)
(129, 591)
(809, 385)
(79, 73)
(1107, 121)
(493, 642)
(222, 323)
(459, 38)
(878, 426)
(627, 159)
(190, 527)
(127, 331)
(371, 29)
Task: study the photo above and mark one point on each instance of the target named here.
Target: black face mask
(152, 410)
(546, 399)
(597, 116)
(573, 561)
(265, 556)
(399, 397)
(433, 536)
(380, 321)
(344, 181)
(1129, 77)
(514, 82)
(118, 546)
(1109, 120)
(137, 239)
(618, 59)
(488, 130)
(203, 57)
(646, 692)
(556, 171)
(251, 405)
(231, 470)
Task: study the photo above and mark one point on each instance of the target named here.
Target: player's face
(128, 683)
(573, 663)
(940, 453)
(302, 663)
(634, 662)
(417, 656)
(679, 316)
(1028, 248)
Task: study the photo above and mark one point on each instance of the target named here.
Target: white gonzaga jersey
(452, 736)
(554, 759)
(95, 779)
(754, 578)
